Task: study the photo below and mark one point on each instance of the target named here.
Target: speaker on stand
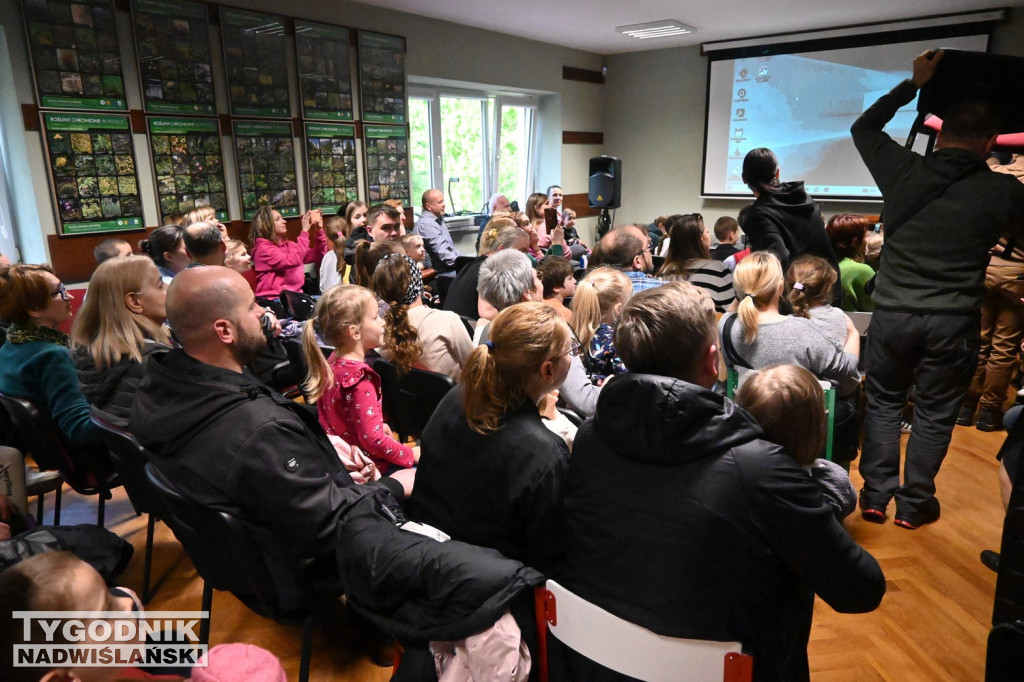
(605, 189)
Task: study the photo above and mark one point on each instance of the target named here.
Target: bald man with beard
(227, 441)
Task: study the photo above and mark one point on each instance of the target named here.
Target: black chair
(410, 398)
(299, 305)
(470, 324)
(87, 471)
(239, 557)
(129, 459)
(658, 261)
(463, 261)
(38, 482)
(273, 306)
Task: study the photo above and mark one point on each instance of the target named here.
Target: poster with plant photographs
(254, 55)
(76, 59)
(172, 41)
(265, 156)
(382, 77)
(92, 169)
(188, 165)
(387, 163)
(330, 165)
(325, 77)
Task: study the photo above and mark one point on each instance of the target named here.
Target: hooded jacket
(787, 222)
(683, 520)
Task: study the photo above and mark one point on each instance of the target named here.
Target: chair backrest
(234, 555)
(410, 399)
(129, 459)
(630, 649)
(34, 433)
(300, 305)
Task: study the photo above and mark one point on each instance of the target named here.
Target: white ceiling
(590, 24)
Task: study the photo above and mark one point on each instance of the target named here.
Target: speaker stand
(604, 223)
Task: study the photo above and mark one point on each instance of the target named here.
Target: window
(470, 145)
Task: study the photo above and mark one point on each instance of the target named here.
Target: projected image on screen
(801, 106)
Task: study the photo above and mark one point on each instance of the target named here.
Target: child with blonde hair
(596, 306)
(413, 245)
(789, 403)
(809, 282)
(345, 389)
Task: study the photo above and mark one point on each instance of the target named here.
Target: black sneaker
(990, 559)
(929, 513)
(966, 416)
(989, 420)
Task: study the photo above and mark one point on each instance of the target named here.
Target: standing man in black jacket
(682, 519)
(943, 213)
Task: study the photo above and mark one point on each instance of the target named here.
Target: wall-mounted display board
(172, 41)
(265, 156)
(387, 163)
(76, 59)
(330, 165)
(92, 170)
(254, 55)
(382, 77)
(187, 164)
(325, 78)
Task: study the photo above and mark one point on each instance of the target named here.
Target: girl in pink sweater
(276, 260)
(346, 389)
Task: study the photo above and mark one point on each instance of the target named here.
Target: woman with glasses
(35, 363)
(490, 472)
(689, 259)
(120, 325)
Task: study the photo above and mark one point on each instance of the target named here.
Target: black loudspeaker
(605, 182)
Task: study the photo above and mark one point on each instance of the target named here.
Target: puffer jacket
(112, 389)
(683, 520)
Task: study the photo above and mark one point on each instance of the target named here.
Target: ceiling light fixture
(656, 29)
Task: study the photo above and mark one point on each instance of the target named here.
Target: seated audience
(333, 266)
(873, 243)
(789, 404)
(727, 232)
(107, 249)
(847, 233)
(415, 335)
(278, 261)
(440, 249)
(555, 196)
(535, 205)
(556, 274)
(237, 257)
(118, 327)
(688, 259)
(383, 223)
(764, 336)
(413, 245)
(369, 255)
(595, 312)
(683, 520)
(204, 244)
(577, 249)
(659, 235)
(345, 389)
(628, 248)
(207, 214)
(490, 473)
(166, 246)
(809, 282)
(35, 363)
(499, 233)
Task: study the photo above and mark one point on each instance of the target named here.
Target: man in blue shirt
(628, 248)
(441, 251)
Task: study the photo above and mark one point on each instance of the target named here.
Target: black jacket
(462, 294)
(112, 390)
(681, 519)
(935, 261)
(789, 223)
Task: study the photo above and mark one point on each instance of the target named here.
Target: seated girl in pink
(278, 261)
(345, 389)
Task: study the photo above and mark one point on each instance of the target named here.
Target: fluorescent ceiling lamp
(656, 29)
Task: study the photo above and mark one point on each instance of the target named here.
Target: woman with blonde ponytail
(596, 306)
(345, 389)
(415, 335)
(491, 473)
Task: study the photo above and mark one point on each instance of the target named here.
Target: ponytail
(809, 282)
(479, 383)
(392, 280)
(363, 273)
(319, 377)
(759, 278)
(339, 307)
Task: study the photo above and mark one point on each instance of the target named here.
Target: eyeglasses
(62, 292)
(574, 350)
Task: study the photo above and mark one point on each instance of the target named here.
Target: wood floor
(932, 624)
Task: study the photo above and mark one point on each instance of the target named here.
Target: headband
(415, 288)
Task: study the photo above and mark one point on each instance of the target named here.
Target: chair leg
(101, 511)
(147, 567)
(204, 626)
(307, 648)
(40, 507)
(56, 506)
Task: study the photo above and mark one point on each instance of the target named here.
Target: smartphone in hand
(550, 219)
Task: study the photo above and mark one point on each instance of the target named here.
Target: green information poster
(76, 59)
(330, 165)
(325, 78)
(254, 55)
(92, 169)
(188, 165)
(382, 77)
(265, 155)
(172, 41)
(387, 163)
